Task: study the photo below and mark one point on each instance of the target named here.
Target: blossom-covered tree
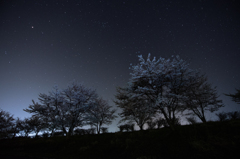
(162, 83)
(64, 110)
(78, 99)
(165, 85)
(100, 113)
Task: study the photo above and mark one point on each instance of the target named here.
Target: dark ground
(200, 141)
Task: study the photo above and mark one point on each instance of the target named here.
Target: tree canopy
(235, 97)
(166, 85)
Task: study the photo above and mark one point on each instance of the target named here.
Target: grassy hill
(200, 141)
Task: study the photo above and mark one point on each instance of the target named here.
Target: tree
(235, 97)
(162, 83)
(233, 115)
(64, 110)
(26, 126)
(100, 114)
(17, 126)
(134, 108)
(6, 124)
(50, 109)
(202, 97)
(36, 124)
(78, 100)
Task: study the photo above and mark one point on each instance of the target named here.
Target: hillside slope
(210, 140)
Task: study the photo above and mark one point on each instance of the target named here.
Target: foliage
(168, 87)
(233, 115)
(126, 127)
(235, 97)
(6, 124)
(202, 97)
(222, 116)
(100, 114)
(64, 110)
(162, 83)
(104, 130)
(134, 108)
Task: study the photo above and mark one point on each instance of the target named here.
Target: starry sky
(53, 42)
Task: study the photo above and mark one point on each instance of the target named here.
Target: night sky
(44, 43)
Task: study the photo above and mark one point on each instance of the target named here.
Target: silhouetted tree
(235, 97)
(100, 114)
(233, 115)
(50, 109)
(127, 127)
(222, 116)
(6, 124)
(202, 97)
(17, 127)
(104, 130)
(80, 131)
(36, 124)
(134, 108)
(26, 126)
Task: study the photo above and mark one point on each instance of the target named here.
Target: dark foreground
(202, 141)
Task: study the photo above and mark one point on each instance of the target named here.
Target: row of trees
(64, 110)
(167, 88)
(223, 116)
(157, 93)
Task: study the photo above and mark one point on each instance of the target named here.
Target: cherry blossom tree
(64, 110)
(78, 99)
(165, 84)
(162, 83)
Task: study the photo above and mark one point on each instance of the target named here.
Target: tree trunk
(203, 119)
(98, 129)
(169, 122)
(70, 131)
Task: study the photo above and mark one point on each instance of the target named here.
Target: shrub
(104, 130)
(191, 120)
(233, 115)
(222, 116)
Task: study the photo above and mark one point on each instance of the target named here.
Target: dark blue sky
(43, 43)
